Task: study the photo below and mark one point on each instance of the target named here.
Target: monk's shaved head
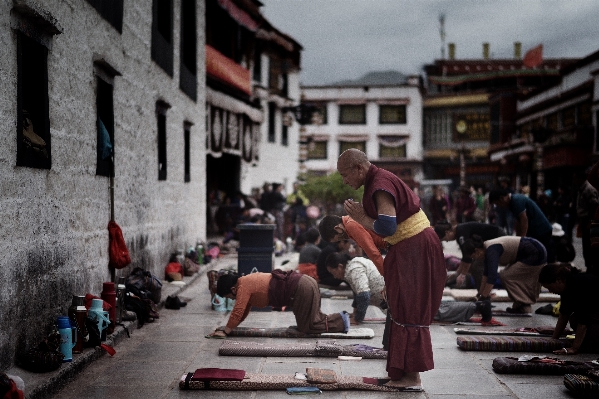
(352, 157)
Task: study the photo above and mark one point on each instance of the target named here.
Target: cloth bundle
(510, 344)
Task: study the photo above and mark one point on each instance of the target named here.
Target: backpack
(117, 249)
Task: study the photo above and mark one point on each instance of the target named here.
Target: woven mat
(543, 331)
(318, 349)
(289, 332)
(461, 294)
(511, 365)
(510, 344)
(271, 382)
(581, 385)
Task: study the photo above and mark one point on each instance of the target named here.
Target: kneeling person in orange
(279, 289)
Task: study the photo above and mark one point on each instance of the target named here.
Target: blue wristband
(385, 225)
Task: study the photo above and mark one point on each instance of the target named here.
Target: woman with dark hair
(523, 258)
(278, 289)
(579, 305)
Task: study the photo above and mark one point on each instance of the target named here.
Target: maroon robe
(414, 276)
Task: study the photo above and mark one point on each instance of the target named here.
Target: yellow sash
(409, 228)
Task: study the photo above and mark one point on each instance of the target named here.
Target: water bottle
(200, 251)
(77, 315)
(68, 337)
(99, 316)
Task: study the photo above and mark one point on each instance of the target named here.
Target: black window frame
(161, 124)
(342, 106)
(104, 113)
(382, 146)
(312, 145)
(345, 145)
(272, 129)
(284, 135)
(187, 151)
(162, 24)
(188, 81)
(111, 11)
(32, 93)
(400, 122)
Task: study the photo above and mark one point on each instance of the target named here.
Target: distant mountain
(380, 78)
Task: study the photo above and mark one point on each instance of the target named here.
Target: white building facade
(383, 120)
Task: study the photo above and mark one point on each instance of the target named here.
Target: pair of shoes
(174, 302)
(484, 307)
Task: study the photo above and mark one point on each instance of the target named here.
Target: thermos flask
(120, 299)
(109, 295)
(77, 315)
(68, 337)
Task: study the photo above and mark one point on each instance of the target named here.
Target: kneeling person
(279, 289)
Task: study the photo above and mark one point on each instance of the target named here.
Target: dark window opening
(162, 32)
(187, 154)
(317, 150)
(386, 151)
(271, 122)
(352, 114)
(257, 72)
(105, 129)
(392, 114)
(346, 145)
(33, 124)
(111, 11)
(597, 131)
(188, 79)
(161, 108)
(285, 135)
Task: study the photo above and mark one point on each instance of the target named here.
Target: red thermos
(109, 295)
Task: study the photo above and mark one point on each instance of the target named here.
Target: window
(597, 131)
(346, 145)
(553, 121)
(285, 135)
(162, 34)
(318, 115)
(33, 124)
(569, 117)
(389, 114)
(187, 152)
(352, 114)
(188, 76)
(271, 122)
(111, 11)
(105, 128)
(386, 151)
(585, 115)
(161, 108)
(257, 72)
(317, 149)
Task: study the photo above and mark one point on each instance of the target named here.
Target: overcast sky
(345, 39)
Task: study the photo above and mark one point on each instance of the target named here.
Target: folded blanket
(581, 385)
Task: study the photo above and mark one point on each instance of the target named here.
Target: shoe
(520, 310)
(484, 307)
(345, 317)
(172, 302)
(181, 303)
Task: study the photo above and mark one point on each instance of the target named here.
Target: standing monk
(414, 268)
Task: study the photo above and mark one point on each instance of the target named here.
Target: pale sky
(345, 39)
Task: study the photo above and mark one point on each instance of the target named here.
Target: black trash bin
(256, 248)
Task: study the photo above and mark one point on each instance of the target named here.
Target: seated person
(368, 286)
(460, 233)
(279, 289)
(578, 305)
(308, 255)
(524, 258)
(335, 228)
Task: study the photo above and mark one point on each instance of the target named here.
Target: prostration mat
(582, 385)
(290, 332)
(540, 365)
(272, 382)
(509, 344)
(336, 294)
(543, 331)
(324, 348)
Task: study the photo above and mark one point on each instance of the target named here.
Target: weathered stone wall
(53, 235)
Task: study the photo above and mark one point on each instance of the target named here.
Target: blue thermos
(68, 337)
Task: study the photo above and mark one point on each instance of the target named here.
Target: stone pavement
(150, 362)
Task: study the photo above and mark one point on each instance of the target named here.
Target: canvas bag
(117, 249)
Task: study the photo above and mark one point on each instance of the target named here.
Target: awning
(393, 141)
(242, 17)
(353, 138)
(497, 156)
(459, 79)
(227, 71)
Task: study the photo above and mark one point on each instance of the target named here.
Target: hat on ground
(557, 230)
